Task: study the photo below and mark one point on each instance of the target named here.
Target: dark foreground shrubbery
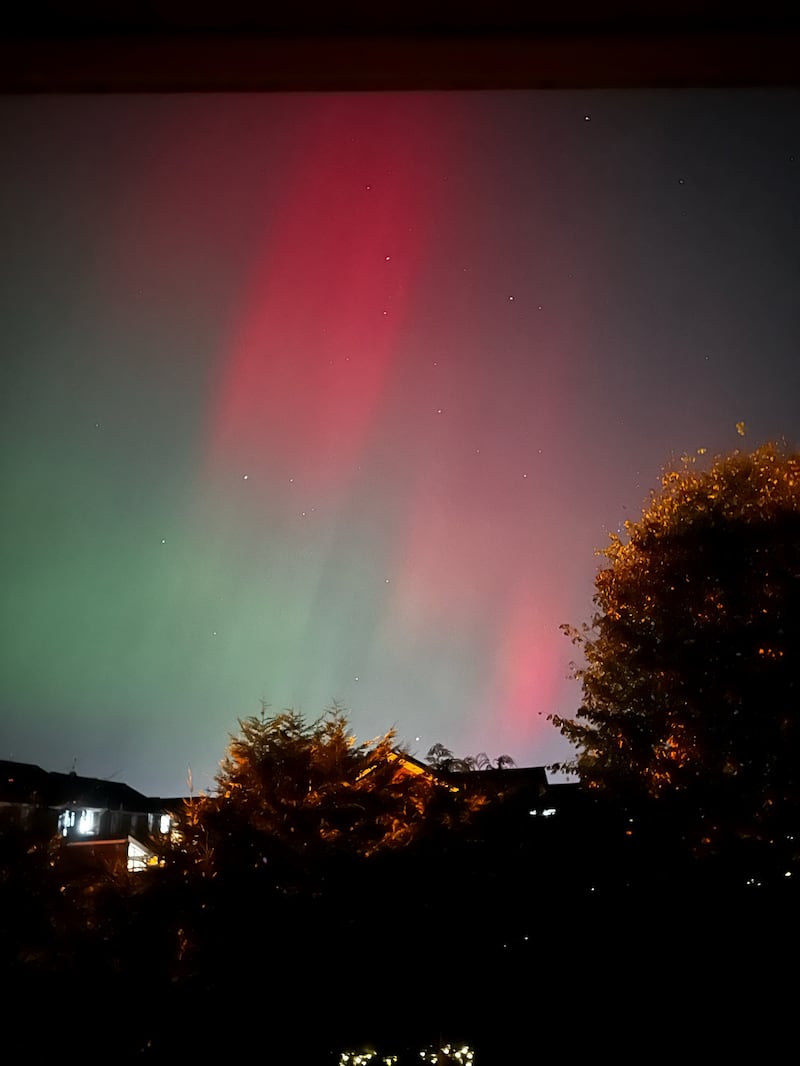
(517, 950)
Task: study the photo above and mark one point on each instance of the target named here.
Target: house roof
(21, 782)
(512, 781)
(30, 784)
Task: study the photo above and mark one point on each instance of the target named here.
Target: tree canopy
(297, 791)
(441, 758)
(690, 679)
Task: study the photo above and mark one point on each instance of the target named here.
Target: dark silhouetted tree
(441, 758)
(310, 849)
(296, 793)
(690, 682)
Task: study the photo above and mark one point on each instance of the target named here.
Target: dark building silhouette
(98, 821)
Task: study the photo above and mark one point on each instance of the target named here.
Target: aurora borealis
(311, 397)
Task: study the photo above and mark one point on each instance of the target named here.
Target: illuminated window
(139, 858)
(87, 823)
(66, 820)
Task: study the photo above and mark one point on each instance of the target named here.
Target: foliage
(441, 758)
(294, 792)
(690, 685)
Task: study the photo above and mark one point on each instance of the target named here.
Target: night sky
(312, 397)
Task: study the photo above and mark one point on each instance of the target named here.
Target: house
(105, 822)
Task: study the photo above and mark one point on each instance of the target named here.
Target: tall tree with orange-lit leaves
(294, 795)
(690, 674)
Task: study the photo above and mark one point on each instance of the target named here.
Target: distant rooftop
(27, 783)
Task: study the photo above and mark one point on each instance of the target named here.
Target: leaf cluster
(294, 792)
(689, 683)
(442, 758)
